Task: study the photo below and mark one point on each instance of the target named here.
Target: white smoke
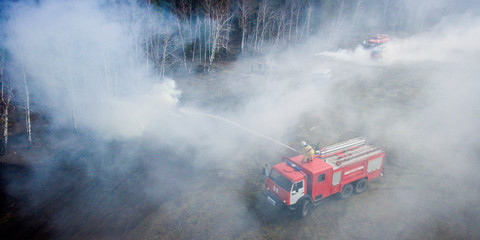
(83, 63)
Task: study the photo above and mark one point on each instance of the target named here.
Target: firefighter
(307, 152)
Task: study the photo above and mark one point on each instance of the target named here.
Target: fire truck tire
(346, 191)
(304, 208)
(361, 185)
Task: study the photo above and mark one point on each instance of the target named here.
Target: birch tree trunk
(386, 4)
(260, 31)
(5, 98)
(309, 15)
(107, 72)
(257, 26)
(72, 99)
(5, 128)
(297, 27)
(280, 20)
(166, 43)
(219, 34)
(245, 12)
(197, 32)
(359, 3)
(205, 42)
(290, 26)
(183, 45)
(28, 122)
(5, 117)
(337, 26)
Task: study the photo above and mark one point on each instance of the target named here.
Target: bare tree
(106, 64)
(220, 34)
(355, 16)
(245, 12)
(28, 122)
(182, 41)
(168, 57)
(7, 94)
(196, 33)
(217, 28)
(186, 29)
(290, 25)
(337, 24)
(264, 17)
(71, 90)
(307, 20)
(6, 97)
(280, 19)
(148, 43)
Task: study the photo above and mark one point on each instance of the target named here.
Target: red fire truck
(376, 40)
(341, 168)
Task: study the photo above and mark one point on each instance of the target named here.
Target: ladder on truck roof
(357, 154)
(342, 146)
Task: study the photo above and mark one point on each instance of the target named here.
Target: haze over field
(162, 152)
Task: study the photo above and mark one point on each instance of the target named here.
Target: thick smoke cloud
(140, 149)
(79, 59)
(428, 123)
(135, 148)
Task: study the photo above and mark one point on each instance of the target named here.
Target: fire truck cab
(341, 168)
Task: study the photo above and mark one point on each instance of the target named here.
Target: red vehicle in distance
(376, 40)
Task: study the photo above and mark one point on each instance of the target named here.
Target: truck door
(322, 185)
(298, 190)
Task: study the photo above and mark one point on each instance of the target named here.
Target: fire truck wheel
(361, 185)
(304, 208)
(346, 191)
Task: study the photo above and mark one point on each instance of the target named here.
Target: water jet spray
(239, 126)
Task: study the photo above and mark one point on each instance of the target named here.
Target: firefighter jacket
(307, 153)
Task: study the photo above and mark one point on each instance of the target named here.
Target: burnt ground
(411, 201)
(14, 223)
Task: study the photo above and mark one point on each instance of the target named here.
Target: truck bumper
(272, 199)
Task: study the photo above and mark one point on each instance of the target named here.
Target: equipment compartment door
(322, 185)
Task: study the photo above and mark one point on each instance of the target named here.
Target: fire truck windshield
(280, 180)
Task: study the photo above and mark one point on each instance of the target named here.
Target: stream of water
(239, 126)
